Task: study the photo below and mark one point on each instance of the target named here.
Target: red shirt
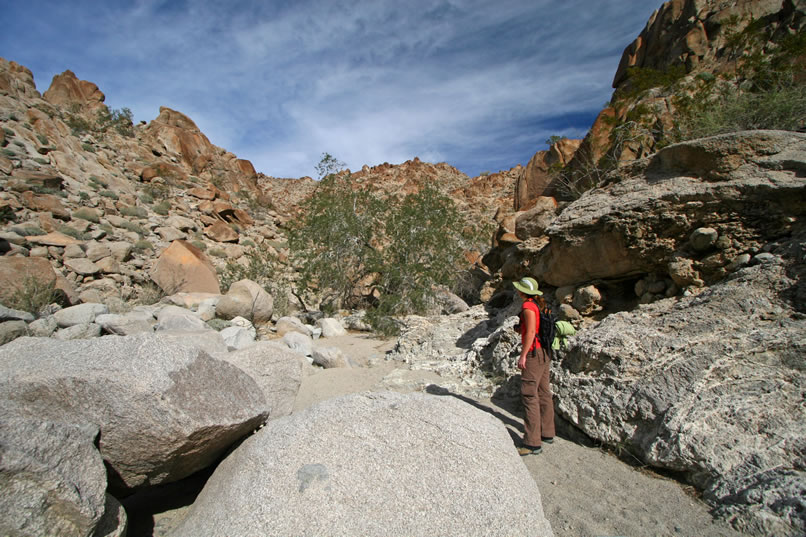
(529, 304)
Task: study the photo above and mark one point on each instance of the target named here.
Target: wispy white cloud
(478, 84)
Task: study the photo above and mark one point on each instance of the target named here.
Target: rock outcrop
(681, 387)
(747, 186)
(428, 465)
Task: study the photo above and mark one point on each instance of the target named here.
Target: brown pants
(537, 401)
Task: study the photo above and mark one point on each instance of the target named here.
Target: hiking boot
(547, 440)
(529, 450)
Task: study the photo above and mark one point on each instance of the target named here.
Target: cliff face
(684, 43)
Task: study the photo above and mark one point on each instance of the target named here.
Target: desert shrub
(108, 194)
(218, 324)
(119, 120)
(77, 123)
(149, 293)
(162, 208)
(95, 180)
(86, 214)
(142, 245)
(32, 296)
(731, 110)
(9, 133)
(157, 191)
(201, 245)
(40, 160)
(218, 252)
(42, 139)
(88, 147)
(83, 196)
(134, 212)
(8, 152)
(27, 230)
(134, 227)
(147, 198)
(641, 79)
(72, 232)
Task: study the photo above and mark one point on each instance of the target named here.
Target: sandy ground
(586, 492)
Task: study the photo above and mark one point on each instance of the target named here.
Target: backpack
(547, 331)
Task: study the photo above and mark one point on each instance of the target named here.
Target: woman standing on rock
(535, 365)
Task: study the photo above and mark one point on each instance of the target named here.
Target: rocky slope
(79, 182)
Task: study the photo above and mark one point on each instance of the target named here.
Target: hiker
(534, 363)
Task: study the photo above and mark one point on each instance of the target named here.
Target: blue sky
(477, 84)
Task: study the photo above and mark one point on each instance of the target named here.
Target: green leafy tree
(332, 245)
(354, 249)
(425, 249)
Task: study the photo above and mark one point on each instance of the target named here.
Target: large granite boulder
(373, 464)
(710, 387)
(247, 299)
(54, 481)
(276, 369)
(164, 410)
(184, 268)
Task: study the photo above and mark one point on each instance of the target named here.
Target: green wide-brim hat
(527, 286)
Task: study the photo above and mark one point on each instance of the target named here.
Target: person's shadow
(509, 408)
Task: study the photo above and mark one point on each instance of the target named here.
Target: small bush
(783, 108)
(136, 228)
(162, 208)
(157, 191)
(87, 214)
(42, 139)
(43, 161)
(9, 132)
(200, 245)
(32, 296)
(147, 198)
(150, 293)
(72, 232)
(28, 231)
(83, 196)
(641, 79)
(134, 212)
(88, 147)
(218, 324)
(108, 194)
(218, 252)
(143, 245)
(94, 179)
(8, 152)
